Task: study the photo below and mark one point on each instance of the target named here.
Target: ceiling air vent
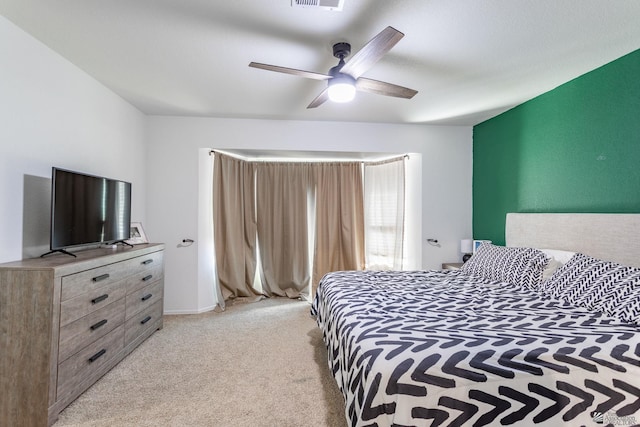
(333, 5)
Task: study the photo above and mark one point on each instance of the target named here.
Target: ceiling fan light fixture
(342, 88)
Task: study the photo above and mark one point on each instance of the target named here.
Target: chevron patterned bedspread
(443, 348)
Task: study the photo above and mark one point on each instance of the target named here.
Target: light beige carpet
(255, 364)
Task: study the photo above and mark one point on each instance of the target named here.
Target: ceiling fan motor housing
(341, 50)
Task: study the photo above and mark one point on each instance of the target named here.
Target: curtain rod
(405, 156)
(384, 161)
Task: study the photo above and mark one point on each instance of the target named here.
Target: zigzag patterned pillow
(599, 285)
(519, 266)
(629, 307)
(570, 281)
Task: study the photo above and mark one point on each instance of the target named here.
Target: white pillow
(559, 255)
(557, 258)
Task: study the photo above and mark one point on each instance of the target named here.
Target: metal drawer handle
(97, 325)
(147, 261)
(97, 355)
(146, 278)
(101, 277)
(145, 320)
(146, 297)
(100, 298)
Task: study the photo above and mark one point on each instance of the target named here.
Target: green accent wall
(573, 149)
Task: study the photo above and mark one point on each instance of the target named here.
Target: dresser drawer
(144, 278)
(143, 298)
(75, 308)
(140, 322)
(76, 284)
(150, 260)
(89, 360)
(89, 328)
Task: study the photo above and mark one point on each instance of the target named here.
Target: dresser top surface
(85, 259)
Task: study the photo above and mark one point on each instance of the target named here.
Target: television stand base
(124, 242)
(58, 250)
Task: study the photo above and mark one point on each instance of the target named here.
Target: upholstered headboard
(612, 237)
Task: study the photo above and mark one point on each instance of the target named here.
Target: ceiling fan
(345, 79)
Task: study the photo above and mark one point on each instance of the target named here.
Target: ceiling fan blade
(371, 53)
(384, 88)
(320, 99)
(293, 71)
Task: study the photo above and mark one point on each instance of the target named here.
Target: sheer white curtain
(384, 188)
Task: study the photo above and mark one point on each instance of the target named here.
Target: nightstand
(452, 265)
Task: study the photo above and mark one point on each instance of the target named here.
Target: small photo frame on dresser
(137, 234)
(477, 243)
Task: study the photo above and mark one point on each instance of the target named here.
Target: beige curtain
(283, 195)
(234, 226)
(270, 217)
(339, 241)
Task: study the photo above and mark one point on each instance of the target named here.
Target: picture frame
(477, 243)
(137, 235)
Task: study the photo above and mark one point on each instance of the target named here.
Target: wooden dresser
(65, 322)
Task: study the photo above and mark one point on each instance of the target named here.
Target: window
(384, 188)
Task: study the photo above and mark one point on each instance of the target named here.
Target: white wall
(54, 114)
(175, 150)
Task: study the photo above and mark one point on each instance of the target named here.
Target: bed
(513, 338)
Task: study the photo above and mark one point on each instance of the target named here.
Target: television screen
(88, 209)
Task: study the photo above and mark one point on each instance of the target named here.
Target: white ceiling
(469, 59)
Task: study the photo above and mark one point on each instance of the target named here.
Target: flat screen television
(88, 210)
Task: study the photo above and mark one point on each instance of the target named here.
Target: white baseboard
(200, 311)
